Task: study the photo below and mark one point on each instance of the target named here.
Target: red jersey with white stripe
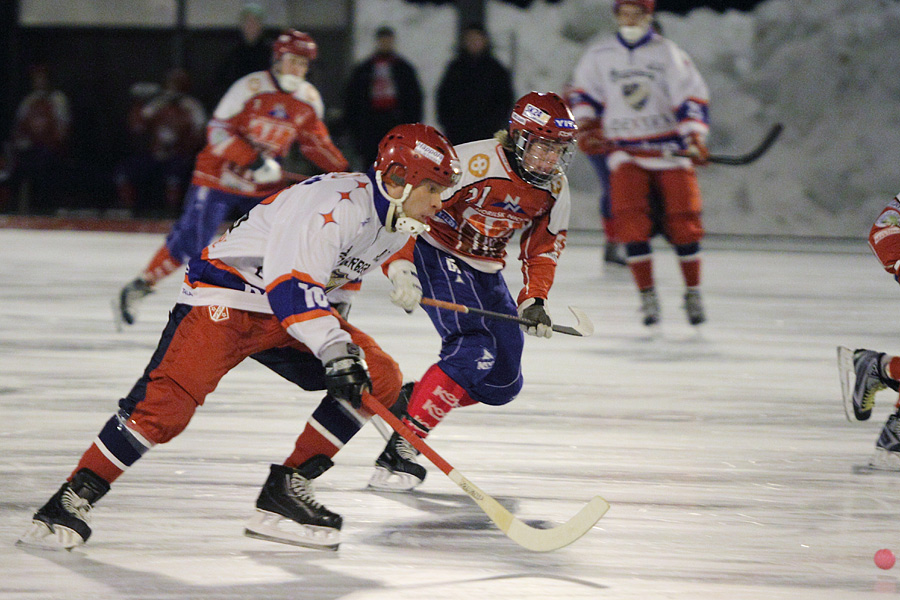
(255, 117)
(291, 249)
(489, 204)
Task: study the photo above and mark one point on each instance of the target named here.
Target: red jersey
(489, 204)
(256, 117)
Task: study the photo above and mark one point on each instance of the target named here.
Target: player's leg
(193, 354)
(612, 252)
(468, 354)
(629, 193)
(204, 211)
(684, 229)
(286, 509)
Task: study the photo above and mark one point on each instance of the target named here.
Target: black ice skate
(887, 448)
(62, 523)
(650, 307)
(287, 511)
(693, 306)
(396, 469)
(399, 407)
(125, 307)
(612, 254)
(862, 376)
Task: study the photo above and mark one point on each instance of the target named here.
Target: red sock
(161, 265)
(435, 395)
(642, 271)
(310, 443)
(690, 270)
(97, 462)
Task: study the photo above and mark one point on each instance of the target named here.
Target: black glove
(535, 311)
(346, 373)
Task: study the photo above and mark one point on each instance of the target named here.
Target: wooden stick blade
(532, 538)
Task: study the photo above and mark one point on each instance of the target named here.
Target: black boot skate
(287, 511)
(130, 296)
(62, 523)
(396, 469)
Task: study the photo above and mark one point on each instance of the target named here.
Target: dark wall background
(95, 67)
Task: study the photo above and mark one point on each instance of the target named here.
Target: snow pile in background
(827, 69)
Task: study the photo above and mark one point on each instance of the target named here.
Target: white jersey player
(260, 291)
(638, 93)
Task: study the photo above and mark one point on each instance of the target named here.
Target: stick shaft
(493, 315)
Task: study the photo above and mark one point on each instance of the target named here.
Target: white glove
(534, 310)
(407, 290)
(269, 172)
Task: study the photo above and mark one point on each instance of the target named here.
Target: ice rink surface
(725, 454)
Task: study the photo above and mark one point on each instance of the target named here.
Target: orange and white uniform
(257, 117)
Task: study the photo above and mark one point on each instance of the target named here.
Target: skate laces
(76, 505)
(868, 362)
(405, 450)
(301, 488)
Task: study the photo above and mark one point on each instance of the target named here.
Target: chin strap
(396, 220)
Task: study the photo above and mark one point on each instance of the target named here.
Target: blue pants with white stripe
(482, 355)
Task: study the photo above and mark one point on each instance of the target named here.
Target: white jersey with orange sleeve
(284, 256)
(489, 204)
(649, 96)
(256, 117)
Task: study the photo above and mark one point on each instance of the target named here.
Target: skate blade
(40, 536)
(267, 526)
(846, 371)
(882, 461)
(385, 480)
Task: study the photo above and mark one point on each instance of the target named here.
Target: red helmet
(648, 5)
(421, 152)
(541, 124)
(296, 42)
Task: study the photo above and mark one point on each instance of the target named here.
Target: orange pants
(198, 347)
(631, 188)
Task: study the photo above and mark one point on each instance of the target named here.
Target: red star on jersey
(344, 195)
(328, 218)
(362, 184)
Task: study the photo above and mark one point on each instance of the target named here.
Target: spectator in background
(475, 95)
(168, 131)
(40, 140)
(253, 53)
(383, 91)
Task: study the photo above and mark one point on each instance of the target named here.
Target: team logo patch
(887, 232)
(486, 362)
(479, 165)
(889, 218)
(535, 114)
(564, 123)
(430, 153)
(510, 204)
(218, 313)
(636, 95)
(278, 112)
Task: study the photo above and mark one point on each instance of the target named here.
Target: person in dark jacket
(382, 92)
(475, 94)
(253, 53)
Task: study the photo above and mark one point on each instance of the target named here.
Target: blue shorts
(482, 355)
